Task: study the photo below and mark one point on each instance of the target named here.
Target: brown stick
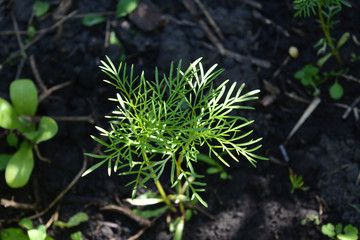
(210, 20)
(126, 212)
(49, 91)
(36, 73)
(11, 203)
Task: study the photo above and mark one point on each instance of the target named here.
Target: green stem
(328, 37)
(178, 167)
(159, 187)
(163, 195)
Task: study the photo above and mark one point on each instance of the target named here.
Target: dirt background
(256, 203)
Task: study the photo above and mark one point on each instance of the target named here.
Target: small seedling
(160, 125)
(73, 221)
(309, 77)
(92, 20)
(312, 218)
(338, 233)
(215, 167)
(297, 182)
(41, 7)
(326, 10)
(125, 7)
(29, 232)
(17, 117)
(76, 236)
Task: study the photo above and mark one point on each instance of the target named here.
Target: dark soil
(256, 203)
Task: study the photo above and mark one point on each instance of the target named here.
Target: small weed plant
(160, 125)
(27, 230)
(337, 232)
(16, 117)
(326, 10)
(310, 78)
(297, 182)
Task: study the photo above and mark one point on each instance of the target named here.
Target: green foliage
(215, 167)
(24, 106)
(336, 91)
(74, 221)
(163, 123)
(32, 233)
(150, 213)
(31, 33)
(179, 225)
(17, 116)
(125, 7)
(305, 8)
(8, 116)
(171, 117)
(296, 181)
(92, 20)
(12, 140)
(309, 76)
(41, 7)
(76, 236)
(338, 233)
(326, 11)
(312, 218)
(20, 166)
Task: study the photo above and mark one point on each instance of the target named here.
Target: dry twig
(11, 203)
(36, 73)
(210, 20)
(49, 91)
(128, 213)
(189, 4)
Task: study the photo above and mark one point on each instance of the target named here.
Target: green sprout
(296, 181)
(338, 233)
(164, 122)
(125, 7)
(215, 167)
(326, 10)
(17, 117)
(309, 77)
(41, 8)
(29, 232)
(92, 20)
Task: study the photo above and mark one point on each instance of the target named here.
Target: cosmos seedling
(325, 10)
(160, 125)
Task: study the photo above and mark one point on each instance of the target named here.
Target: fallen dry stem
(11, 203)
(210, 20)
(49, 91)
(36, 73)
(128, 213)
